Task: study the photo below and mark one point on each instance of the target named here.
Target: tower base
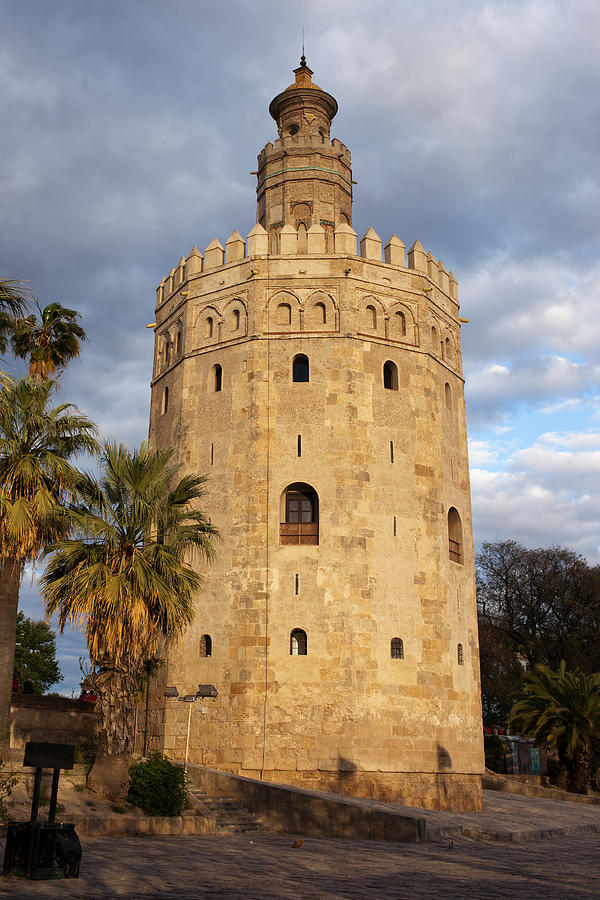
(430, 790)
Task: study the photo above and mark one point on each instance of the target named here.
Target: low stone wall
(295, 810)
(57, 719)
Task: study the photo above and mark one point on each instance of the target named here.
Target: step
(232, 817)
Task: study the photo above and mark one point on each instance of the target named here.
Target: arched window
(390, 376)
(165, 401)
(300, 368)
(283, 315)
(208, 327)
(400, 323)
(455, 550)
(460, 655)
(371, 317)
(434, 340)
(167, 350)
(205, 645)
(448, 350)
(299, 515)
(236, 320)
(298, 642)
(217, 377)
(448, 396)
(397, 648)
(302, 238)
(178, 342)
(320, 314)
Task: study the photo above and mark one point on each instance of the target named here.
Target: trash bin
(42, 850)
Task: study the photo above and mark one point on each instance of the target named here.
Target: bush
(7, 783)
(157, 786)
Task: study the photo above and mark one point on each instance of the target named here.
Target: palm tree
(48, 340)
(124, 576)
(14, 300)
(36, 480)
(561, 710)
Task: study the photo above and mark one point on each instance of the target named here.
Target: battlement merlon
(239, 251)
(297, 141)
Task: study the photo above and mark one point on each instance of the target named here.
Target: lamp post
(204, 692)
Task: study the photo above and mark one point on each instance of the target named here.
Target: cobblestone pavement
(267, 867)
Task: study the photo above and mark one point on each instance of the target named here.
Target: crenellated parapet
(294, 243)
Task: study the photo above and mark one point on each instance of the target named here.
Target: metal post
(53, 795)
(35, 802)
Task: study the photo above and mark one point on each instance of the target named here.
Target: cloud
(471, 125)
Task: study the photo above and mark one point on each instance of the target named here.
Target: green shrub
(7, 783)
(157, 786)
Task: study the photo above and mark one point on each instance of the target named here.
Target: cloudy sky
(130, 131)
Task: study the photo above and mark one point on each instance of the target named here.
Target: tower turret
(304, 178)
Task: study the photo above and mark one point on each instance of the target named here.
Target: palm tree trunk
(563, 780)
(581, 772)
(10, 580)
(116, 691)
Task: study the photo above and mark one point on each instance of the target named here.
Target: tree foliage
(124, 575)
(535, 607)
(35, 654)
(561, 711)
(37, 479)
(48, 340)
(14, 300)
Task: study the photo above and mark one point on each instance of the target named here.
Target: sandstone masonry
(320, 388)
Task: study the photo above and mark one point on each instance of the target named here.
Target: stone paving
(268, 867)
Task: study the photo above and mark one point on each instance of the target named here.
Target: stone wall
(56, 719)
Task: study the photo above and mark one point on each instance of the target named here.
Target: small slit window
(397, 648)
(455, 537)
(460, 655)
(299, 446)
(167, 350)
(391, 451)
(165, 401)
(178, 343)
(235, 325)
(205, 645)
(217, 377)
(298, 643)
(401, 323)
(209, 327)
(300, 368)
(390, 376)
(448, 350)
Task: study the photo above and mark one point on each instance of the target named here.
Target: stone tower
(321, 391)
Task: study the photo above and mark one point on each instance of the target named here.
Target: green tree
(14, 300)
(561, 711)
(535, 607)
(35, 654)
(48, 340)
(36, 481)
(123, 574)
